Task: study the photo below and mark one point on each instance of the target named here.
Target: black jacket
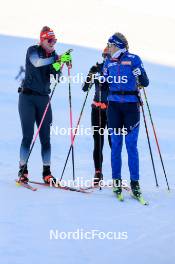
(99, 87)
(38, 70)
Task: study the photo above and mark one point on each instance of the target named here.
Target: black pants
(31, 109)
(98, 120)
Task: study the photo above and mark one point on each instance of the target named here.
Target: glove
(141, 87)
(136, 72)
(57, 66)
(66, 58)
(93, 69)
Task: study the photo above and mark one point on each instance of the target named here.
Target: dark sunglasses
(52, 41)
(110, 45)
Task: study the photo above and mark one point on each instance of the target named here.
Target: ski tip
(17, 183)
(142, 201)
(120, 197)
(25, 185)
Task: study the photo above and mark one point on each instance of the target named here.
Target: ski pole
(78, 122)
(100, 143)
(156, 139)
(71, 123)
(147, 134)
(149, 144)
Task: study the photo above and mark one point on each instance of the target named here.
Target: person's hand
(137, 72)
(93, 69)
(57, 66)
(141, 87)
(66, 58)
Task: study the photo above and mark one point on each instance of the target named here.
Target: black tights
(98, 120)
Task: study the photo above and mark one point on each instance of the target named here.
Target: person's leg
(115, 121)
(96, 122)
(106, 125)
(44, 134)
(132, 122)
(26, 109)
(98, 137)
(103, 126)
(27, 117)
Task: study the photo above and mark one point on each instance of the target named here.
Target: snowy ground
(27, 217)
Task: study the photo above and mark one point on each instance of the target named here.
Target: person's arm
(105, 69)
(139, 72)
(40, 62)
(89, 79)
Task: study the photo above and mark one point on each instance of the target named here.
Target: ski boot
(23, 174)
(135, 187)
(47, 176)
(98, 177)
(117, 189)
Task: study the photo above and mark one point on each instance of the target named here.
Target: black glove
(93, 69)
(87, 83)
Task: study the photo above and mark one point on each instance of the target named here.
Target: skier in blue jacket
(124, 72)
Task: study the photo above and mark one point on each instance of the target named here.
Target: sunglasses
(110, 45)
(52, 41)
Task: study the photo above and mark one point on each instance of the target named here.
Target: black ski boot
(135, 187)
(47, 176)
(98, 177)
(23, 174)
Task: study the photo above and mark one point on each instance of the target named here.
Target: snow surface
(27, 217)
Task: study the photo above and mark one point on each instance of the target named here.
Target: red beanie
(46, 33)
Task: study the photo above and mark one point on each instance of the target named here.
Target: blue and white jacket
(38, 70)
(119, 75)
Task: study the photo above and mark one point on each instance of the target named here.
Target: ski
(90, 187)
(104, 186)
(119, 196)
(25, 185)
(140, 199)
(66, 188)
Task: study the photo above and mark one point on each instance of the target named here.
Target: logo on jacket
(126, 62)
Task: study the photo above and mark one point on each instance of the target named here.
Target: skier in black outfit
(98, 114)
(41, 61)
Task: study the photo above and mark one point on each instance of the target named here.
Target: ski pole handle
(69, 51)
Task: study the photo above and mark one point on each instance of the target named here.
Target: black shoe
(23, 174)
(117, 186)
(135, 187)
(47, 176)
(98, 177)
